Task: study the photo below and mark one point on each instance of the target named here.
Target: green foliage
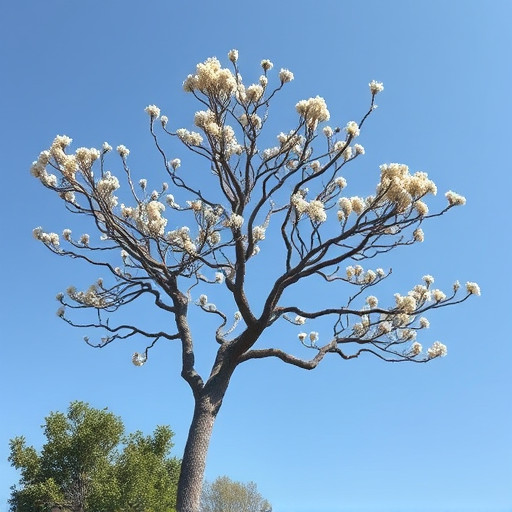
(87, 465)
(225, 495)
(148, 477)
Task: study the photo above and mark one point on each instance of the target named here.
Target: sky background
(358, 436)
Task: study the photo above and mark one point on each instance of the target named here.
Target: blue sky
(358, 436)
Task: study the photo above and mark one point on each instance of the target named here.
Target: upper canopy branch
(222, 218)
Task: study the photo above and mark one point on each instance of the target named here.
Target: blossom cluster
(313, 110)
(313, 337)
(92, 297)
(235, 221)
(348, 205)
(356, 274)
(455, 199)
(105, 188)
(188, 137)
(138, 359)
(152, 111)
(437, 350)
(68, 164)
(376, 87)
(314, 209)
(181, 241)
(51, 239)
(472, 288)
(147, 217)
(212, 79)
(403, 189)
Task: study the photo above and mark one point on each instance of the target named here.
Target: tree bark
(194, 458)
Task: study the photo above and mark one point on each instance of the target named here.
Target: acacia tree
(291, 193)
(225, 495)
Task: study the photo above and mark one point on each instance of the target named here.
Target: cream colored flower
(285, 76)
(152, 111)
(472, 288)
(376, 87)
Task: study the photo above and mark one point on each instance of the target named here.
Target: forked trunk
(194, 458)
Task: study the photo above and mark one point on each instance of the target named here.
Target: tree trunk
(194, 458)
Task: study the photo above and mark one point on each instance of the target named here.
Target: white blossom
(105, 188)
(346, 205)
(428, 279)
(418, 235)
(359, 149)
(233, 55)
(438, 295)
(372, 301)
(352, 128)
(123, 151)
(384, 327)
(190, 138)
(472, 288)
(214, 238)
(437, 350)
(285, 76)
(424, 323)
(254, 93)
(266, 65)
(153, 111)
(421, 208)
(138, 359)
(357, 204)
(347, 153)
(455, 199)
(376, 87)
(328, 132)
(211, 79)
(235, 221)
(258, 233)
(416, 348)
(316, 211)
(313, 110)
(406, 304)
(369, 276)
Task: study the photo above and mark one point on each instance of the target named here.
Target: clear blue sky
(348, 437)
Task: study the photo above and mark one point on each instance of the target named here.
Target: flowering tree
(292, 192)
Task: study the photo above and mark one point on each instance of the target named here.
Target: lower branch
(306, 364)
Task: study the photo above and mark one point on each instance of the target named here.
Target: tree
(291, 194)
(225, 495)
(80, 469)
(148, 477)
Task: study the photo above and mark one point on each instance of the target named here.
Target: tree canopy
(88, 465)
(226, 495)
(252, 193)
